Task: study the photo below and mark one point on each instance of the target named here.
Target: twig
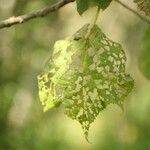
(40, 13)
(133, 11)
(51, 8)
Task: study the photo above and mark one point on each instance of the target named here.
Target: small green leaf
(83, 5)
(143, 5)
(85, 76)
(144, 60)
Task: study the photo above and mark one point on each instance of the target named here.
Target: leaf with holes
(83, 5)
(143, 5)
(85, 76)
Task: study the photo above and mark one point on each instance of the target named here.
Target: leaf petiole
(93, 22)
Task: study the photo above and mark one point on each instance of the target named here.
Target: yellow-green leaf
(85, 76)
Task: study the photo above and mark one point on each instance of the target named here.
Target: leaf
(143, 5)
(83, 5)
(85, 76)
(144, 60)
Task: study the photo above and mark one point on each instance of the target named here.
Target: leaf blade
(83, 5)
(88, 74)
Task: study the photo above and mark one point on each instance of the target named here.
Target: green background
(25, 48)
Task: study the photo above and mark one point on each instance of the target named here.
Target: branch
(51, 8)
(133, 11)
(40, 13)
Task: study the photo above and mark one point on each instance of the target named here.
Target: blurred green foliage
(24, 50)
(144, 54)
(19, 68)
